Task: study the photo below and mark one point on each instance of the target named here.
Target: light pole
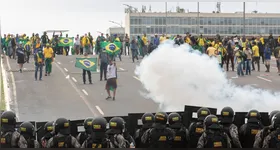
(244, 22)
(0, 40)
(116, 23)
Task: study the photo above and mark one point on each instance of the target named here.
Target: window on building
(160, 21)
(156, 21)
(156, 30)
(164, 21)
(193, 21)
(226, 21)
(209, 22)
(201, 21)
(229, 21)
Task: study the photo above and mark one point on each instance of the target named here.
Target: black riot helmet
(8, 121)
(272, 114)
(160, 120)
(148, 119)
(88, 125)
(253, 116)
(116, 125)
(62, 126)
(48, 127)
(211, 122)
(276, 120)
(202, 113)
(99, 126)
(27, 129)
(227, 115)
(175, 120)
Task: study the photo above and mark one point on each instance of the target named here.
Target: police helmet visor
(7, 127)
(65, 131)
(253, 120)
(159, 126)
(147, 125)
(214, 126)
(98, 135)
(113, 131)
(176, 125)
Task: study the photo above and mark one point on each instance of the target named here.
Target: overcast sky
(81, 16)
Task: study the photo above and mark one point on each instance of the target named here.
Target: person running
(134, 49)
(21, 56)
(112, 79)
(48, 54)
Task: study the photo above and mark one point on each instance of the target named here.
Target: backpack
(216, 139)
(250, 133)
(196, 130)
(159, 138)
(104, 143)
(62, 142)
(6, 140)
(180, 140)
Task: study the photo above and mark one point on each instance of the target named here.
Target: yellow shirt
(262, 40)
(238, 58)
(201, 41)
(161, 39)
(188, 40)
(279, 40)
(211, 51)
(145, 40)
(85, 41)
(256, 52)
(48, 52)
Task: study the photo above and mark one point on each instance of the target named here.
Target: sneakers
(20, 70)
(113, 98)
(108, 97)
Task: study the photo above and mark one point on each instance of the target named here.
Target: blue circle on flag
(65, 41)
(112, 47)
(87, 63)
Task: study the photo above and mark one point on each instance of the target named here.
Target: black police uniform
(49, 133)
(27, 135)
(62, 139)
(197, 128)
(182, 138)
(248, 131)
(147, 119)
(213, 137)
(273, 139)
(98, 137)
(9, 136)
(159, 136)
(115, 133)
(88, 130)
(226, 120)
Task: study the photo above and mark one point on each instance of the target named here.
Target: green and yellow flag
(66, 41)
(89, 64)
(112, 48)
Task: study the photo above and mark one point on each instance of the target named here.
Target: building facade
(208, 24)
(120, 31)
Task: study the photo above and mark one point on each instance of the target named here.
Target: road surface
(63, 94)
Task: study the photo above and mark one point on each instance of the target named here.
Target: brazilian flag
(89, 64)
(23, 41)
(111, 48)
(63, 41)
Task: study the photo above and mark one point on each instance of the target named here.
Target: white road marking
(136, 78)
(97, 70)
(264, 79)
(67, 77)
(274, 67)
(234, 77)
(74, 79)
(59, 62)
(122, 69)
(85, 91)
(24, 68)
(65, 69)
(100, 111)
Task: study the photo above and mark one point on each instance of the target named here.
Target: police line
(133, 121)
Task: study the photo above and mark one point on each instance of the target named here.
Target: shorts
(20, 60)
(111, 83)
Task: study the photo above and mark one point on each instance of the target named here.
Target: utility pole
(0, 40)
(197, 20)
(166, 17)
(244, 18)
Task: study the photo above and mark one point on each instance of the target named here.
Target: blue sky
(81, 16)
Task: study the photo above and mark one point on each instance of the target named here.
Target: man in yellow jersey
(256, 56)
(187, 38)
(201, 42)
(48, 54)
(211, 50)
(278, 41)
(145, 41)
(162, 38)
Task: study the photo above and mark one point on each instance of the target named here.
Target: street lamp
(116, 23)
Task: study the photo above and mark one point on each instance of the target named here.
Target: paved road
(63, 94)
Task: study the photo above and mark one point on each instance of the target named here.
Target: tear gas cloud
(176, 76)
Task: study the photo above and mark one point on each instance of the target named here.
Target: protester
(21, 56)
(48, 55)
(112, 79)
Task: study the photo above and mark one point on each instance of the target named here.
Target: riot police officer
(272, 140)
(27, 135)
(265, 131)
(159, 136)
(88, 130)
(182, 138)
(9, 136)
(197, 128)
(98, 137)
(214, 136)
(128, 137)
(147, 119)
(227, 118)
(115, 133)
(49, 133)
(62, 139)
(248, 131)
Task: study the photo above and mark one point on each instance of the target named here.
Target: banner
(66, 41)
(89, 64)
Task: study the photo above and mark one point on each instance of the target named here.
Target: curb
(5, 83)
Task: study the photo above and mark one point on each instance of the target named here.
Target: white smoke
(176, 76)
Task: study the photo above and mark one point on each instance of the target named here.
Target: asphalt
(63, 94)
